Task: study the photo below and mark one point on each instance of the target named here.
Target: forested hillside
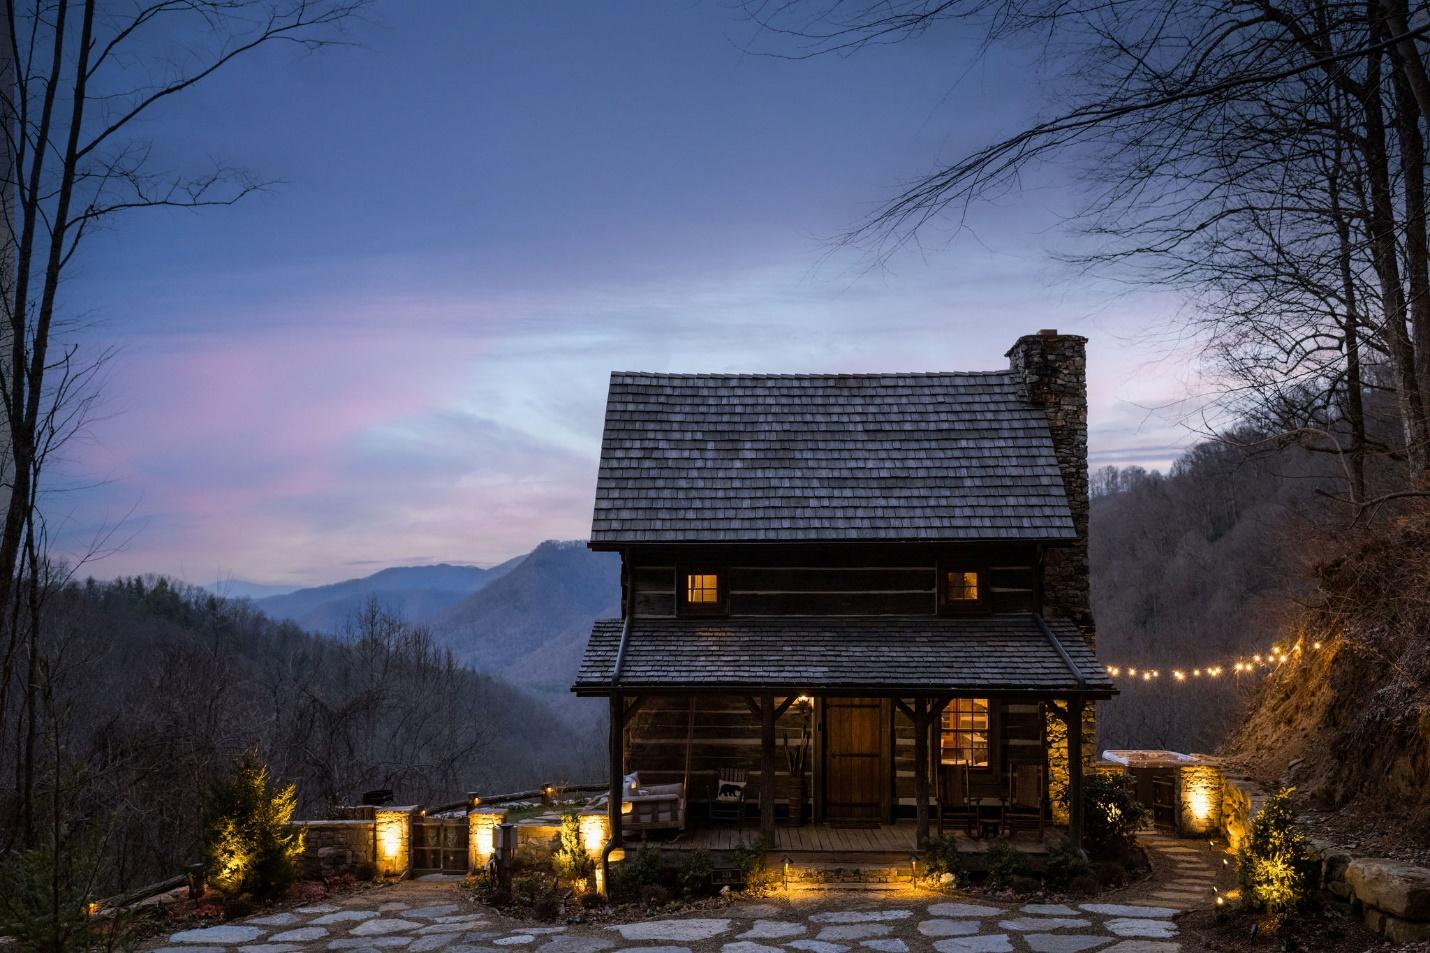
(1195, 568)
(156, 687)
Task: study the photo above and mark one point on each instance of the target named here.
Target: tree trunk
(1384, 256)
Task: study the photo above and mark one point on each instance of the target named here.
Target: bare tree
(1266, 155)
(77, 79)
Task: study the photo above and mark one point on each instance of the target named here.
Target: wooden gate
(439, 845)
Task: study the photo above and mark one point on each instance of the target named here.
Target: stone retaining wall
(332, 848)
(1393, 898)
(1241, 800)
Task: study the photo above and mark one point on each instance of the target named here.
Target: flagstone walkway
(434, 917)
(437, 917)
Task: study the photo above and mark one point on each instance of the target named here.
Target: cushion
(632, 782)
(729, 790)
(664, 790)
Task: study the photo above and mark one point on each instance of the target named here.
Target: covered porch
(835, 723)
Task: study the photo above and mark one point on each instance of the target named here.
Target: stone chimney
(1053, 367)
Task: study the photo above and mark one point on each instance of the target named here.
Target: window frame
(947, 605)
(682, 594)
(992, 731)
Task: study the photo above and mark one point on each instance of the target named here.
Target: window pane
(964, 731)
(962, 586)
(702, 588)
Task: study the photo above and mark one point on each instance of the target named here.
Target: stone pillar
(1198, 799)
(392, 831)
(482, 826)
(595, 832)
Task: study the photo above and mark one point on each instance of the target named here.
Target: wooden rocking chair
(1027, 800)
(727, 796)
(955, 808)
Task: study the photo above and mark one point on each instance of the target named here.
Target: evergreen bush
(1005, 864)
(1111, 814)
(1274, 865)
(248, 844)
(1066, 863)
(570, 860)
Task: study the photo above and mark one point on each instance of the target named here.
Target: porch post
(1075, 771)
(617, 767)
(921, 770)
(767, 770)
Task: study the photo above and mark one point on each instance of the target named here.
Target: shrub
(1274, 866)
(570, 860)
(1066, 863)
(941, 856)
(1111, 814)
(695, 872)
(1084, 886)
(654, 895)
(1004, 863)
(1024, 885)
(751, 859)
(248, 846)
(42, 900)
(632, 875)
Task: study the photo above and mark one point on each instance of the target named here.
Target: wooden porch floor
(824, 838)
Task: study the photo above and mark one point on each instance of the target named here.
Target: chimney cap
(1048, 332)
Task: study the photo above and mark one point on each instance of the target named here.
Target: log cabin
(833, 585)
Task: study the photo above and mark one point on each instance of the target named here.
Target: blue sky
(398, 353)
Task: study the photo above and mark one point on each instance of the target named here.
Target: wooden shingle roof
(997, 654)
(705, 458)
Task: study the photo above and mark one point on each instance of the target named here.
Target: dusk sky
(399, 353)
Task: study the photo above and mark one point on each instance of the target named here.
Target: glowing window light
(702, 589)
(961, 586)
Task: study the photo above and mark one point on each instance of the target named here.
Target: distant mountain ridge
(525, 620)
(415, 593)
(530, 626)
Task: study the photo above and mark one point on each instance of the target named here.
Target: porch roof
(1001, 654)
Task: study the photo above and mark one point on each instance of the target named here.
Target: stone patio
(419, 917)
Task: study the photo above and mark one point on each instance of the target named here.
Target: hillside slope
(1348, 723)
(530, 626)
(414, 593)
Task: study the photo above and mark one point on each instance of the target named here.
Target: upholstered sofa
(655, 807)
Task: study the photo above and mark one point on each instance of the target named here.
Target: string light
(1276, 656)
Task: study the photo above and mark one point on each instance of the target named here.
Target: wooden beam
(767, 770)
(1075, 805)
(634, 705)
(919, 716)
(903, 707)
(755, 709)
(784, 705)
(617, 766)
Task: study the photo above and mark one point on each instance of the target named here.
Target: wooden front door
(855, 767)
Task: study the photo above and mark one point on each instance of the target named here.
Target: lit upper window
(702, 589)
(961, 586)
(964, 735)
